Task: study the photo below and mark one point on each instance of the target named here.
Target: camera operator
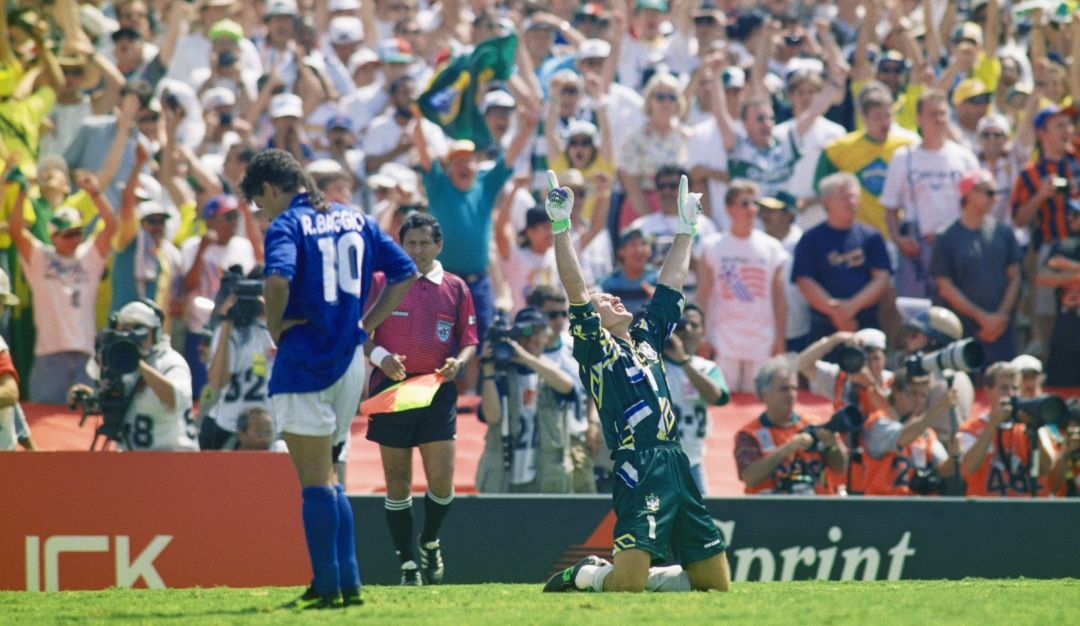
(871, 380)
(1031, 375)
(158, 392)
(242, 363)
(529, 452)
(1064, 477)
(695, 384)
(774, 452)
(903, 455)
(996, 447)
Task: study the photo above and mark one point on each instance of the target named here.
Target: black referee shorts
(408, 429)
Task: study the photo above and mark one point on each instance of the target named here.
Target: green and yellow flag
(451, 98)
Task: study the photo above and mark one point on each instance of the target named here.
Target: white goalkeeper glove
(689, 209)
(559, 203)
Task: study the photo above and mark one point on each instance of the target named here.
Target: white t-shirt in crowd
(706, 147)
(662, 229)
(216, 260)
(924, 184)
(384, 133)
(810, 145)
(526, 269)
(691, 410)
(65, 297)
(363, 105)
(251, 362)
(741, 321)
(149, 423)
(798, 309)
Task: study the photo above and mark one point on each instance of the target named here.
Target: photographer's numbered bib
(251, 362)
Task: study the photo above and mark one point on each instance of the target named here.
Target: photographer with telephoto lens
(860, 369)
(528, 402)
(903, 455)
(779, 452)
(996, 447)
(1065, 472)
(243, 357)
(142, 378)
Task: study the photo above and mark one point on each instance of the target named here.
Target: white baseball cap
(139, 314)
(337, 6)
(322, 167)
(218, 97)
(286, 105)
(146, 208)
(346, 29)
(360, 58)
(403, 176)
(593, 49)
(871, 338)
(1027, 363)
(497, 98)
(282, 7)
(6, 297)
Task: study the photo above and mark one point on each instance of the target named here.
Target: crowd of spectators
(893, 174)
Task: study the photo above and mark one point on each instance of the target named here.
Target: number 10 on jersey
(341, 265)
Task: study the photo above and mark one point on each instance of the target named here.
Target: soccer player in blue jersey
(657, 504)
(319, 261)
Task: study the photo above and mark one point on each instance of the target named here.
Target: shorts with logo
(658, 506)
(324, 413)
(408, 429)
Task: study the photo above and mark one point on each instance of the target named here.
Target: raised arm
(559, 203)
(419, 141)
(251, 229)
(861, 69)
(761, 61)
(89, 183)
(129, 225)
(528, 116)
(720, 110)
(673, 272)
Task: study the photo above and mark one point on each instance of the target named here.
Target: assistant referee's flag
(450, 99)
(414, 393)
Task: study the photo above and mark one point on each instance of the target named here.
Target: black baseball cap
(530, 316)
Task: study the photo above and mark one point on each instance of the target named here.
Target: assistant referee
(432, 330)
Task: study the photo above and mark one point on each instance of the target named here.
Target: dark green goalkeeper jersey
(627, 380)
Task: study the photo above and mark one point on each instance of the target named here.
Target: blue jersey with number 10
(328, 259)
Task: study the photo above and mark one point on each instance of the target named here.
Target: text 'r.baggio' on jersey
(333, 222)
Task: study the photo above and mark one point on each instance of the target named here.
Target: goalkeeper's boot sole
(564, 580)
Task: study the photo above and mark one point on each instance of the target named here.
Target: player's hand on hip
(285, 326)
(689, 208)
(559, 203)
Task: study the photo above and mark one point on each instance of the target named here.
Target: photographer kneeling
(242, 363)
(903, 455)
(527, 402)
(154, 397)
(782, 452)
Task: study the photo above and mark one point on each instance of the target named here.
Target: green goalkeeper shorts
(658, 506)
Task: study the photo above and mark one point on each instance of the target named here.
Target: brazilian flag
(451, 98)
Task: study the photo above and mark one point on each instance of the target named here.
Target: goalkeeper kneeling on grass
(657, 505)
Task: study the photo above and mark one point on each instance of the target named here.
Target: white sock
(592, 576)
(672, 578)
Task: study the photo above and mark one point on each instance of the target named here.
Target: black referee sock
(400, 520)
(435, 510)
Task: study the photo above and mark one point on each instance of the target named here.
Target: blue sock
(346, 542)
(321, 528)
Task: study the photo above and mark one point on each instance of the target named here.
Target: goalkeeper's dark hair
(281, 169)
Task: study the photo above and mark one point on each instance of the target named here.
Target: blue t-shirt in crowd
(465, 217)
(841, 261)
(628, 290)
(328, 259)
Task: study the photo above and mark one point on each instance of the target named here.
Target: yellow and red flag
(413, 393)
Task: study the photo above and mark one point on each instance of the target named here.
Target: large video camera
(117, 353)
(848, 419)
(248, 293)
(501, 332)
(965, 355)
(1041, 411)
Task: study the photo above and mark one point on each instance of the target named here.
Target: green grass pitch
(981, 602)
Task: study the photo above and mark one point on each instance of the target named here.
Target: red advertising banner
(86, 520)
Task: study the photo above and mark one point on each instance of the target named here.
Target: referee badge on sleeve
(442, 330)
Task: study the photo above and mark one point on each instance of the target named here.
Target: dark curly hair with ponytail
(282, 170)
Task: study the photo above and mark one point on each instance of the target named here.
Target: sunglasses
(761, 119)
(667, 186)
(154, 221)
(71, 234)
(73, 71)
(670, 97)
(570, 91)
(580, 143)
(590, 19)
(891, 69)
(979, 100)
(704, 20)
(992, 135)
(747, 203)
(148, 119)
(409, 31)
(554, 315)
(989, 192)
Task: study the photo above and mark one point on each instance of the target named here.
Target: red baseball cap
(973, 178)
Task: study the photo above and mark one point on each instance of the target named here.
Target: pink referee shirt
(434, 321)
